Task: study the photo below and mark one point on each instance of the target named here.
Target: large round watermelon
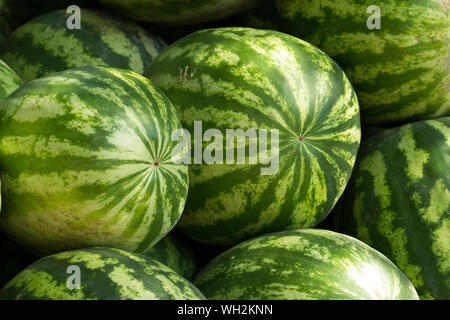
(175, 254)
(45, 44)
(179, 12)
(9, 80)
(304, 264)
(398, 202)
(256, 80)
(399, 67)
(86, 160)
(99, 274)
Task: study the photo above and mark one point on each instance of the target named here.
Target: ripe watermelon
(307, 264)
(175, 254)
(86, 160)
(398, 202)
(400, 71)
(9, 80)
(45, 44)
(243, 78)
(179, 12)
(104, 274)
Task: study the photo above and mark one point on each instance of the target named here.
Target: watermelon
(86, 160)
(179, 12)
(9, 80)
(400, 71)
(13, 259)
(175, 254)
(27, 9)
(103, 274)
(249, 79)
(398, 202)
(306, 264)
(45, 44)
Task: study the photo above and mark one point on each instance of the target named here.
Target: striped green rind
(13, 259)
(243, 78)
(9, 80)
(400, 72)
(27, 9)
(398, 201)
(105, 274)
(179, 12)
(307, 264)
(46, 45)
(86, 160)
(176, 255)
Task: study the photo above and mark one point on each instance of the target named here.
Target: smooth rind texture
(401, 72)
(307, 264)
(46, 45)
(398, 201)
(104, 274)
(86, 159)
(243, 78)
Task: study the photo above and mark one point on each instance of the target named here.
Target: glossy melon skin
(308, 264)
(104, 274)
(398, 202)
(45, 44)
(243, 78)
(86, 160)
(400, 72)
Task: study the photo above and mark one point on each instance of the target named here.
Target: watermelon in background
(177, 255)
(243, 78)
(303, 264)
(45, 44)
(13, 259)
(400, 71)
(7, 25)
(86, 160)
(24, 10)
(9, 80)
(179, 12)
(105, 274)
(398, 202)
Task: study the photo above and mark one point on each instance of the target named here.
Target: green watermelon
(398, 202)
(176, 255)
(13, 259)
(179, 12)
(45, 44)
(307, 264)
(400, 71)
(9, 80)
(103, 273)
(86, 160)
(249, 79)
(27, 9)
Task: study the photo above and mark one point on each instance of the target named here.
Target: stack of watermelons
(277, 149)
